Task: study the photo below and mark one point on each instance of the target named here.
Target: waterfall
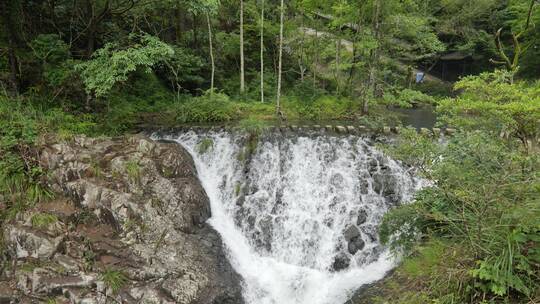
(299, 213)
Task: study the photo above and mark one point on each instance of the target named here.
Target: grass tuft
(114, 279)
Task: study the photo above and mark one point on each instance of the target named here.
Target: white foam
(300, 195)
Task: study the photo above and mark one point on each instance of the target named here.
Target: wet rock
(356, 245)
(354, 239)
(341, 261)
(362, 217)
(265, 226)
(351, 233)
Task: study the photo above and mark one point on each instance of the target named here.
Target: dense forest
(115, 67)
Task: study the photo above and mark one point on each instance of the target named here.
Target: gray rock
(341, 261)
(46, 282)
(355, 245)
(362, 217)
(70, 264)
(138, 207)
(354, 239)
(351, 233)
(28, 242)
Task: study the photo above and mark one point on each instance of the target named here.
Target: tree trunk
(195, 30)
(338, 59)
(374, 56)
(262, 50)
(242, 80)
(316, 63)
(301, 61)
(91, 34)
(178, 25)
(7, 16)
(354, 56)
(280, 58)
(211, 53)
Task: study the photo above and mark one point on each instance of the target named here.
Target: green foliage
(210, 107)
(496, 105)
(415, 149)
(133, 170)
(43, 220)
(20, 126)
(182, 70)
(113, 64)
(323, 108)
(407, 98)
(114, 279)
(485, 199)
(252, 125)
(49, 48)
(435, 88)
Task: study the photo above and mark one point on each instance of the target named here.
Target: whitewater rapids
(284, 209)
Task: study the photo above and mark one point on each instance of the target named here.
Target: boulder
(362, 217)
(354, 239)
(341, 261)
(351, 233)
(355, 245)
(31, 243)
(135, 206)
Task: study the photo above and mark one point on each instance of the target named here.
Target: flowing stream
(299, 214)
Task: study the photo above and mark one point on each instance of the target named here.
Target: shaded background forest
(88, 56)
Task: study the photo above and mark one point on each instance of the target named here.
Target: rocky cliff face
(127, 226)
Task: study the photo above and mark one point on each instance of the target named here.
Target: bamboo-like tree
(242, 71)
(372, 82)
(208, 8)
(280, 59)
(211, 48)
(262, 50)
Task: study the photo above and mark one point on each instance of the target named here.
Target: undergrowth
(474, 237)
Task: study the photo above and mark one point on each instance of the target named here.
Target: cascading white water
(299, 215)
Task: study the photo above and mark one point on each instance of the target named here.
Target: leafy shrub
(49, 48)
(182, 70)
(113, 64)
(496, 104)
(415, 149)
(436, 88)
(484, 199)
(407, 98)
(210, 107)
(252, 125)
(327, 108)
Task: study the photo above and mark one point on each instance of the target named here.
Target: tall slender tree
(211, 48)
(208, 8)
(262, 50)
(374, 60)
(280, 58)
(242, 72)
